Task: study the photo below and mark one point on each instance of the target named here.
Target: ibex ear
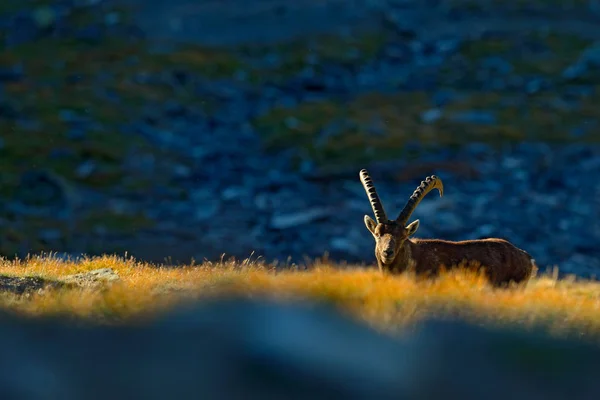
(412, 228)
(371, 224)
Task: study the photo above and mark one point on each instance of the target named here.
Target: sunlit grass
(388, 303)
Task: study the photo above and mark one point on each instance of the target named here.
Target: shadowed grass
(88, 95)
(9, 6)
(385, 302)
(380, 126)
(119, 80)
(80, 91)
(279, 61)
(545, 54)
(78, 94)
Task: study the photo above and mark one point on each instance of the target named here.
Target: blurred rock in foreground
(257, 350)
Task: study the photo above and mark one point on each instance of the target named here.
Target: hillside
(116, 137)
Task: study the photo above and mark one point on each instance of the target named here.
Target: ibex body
(396, 251)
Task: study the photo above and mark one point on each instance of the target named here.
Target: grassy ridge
(387, 303)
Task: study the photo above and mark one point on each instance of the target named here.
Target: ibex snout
(388, 257)
(387, 248)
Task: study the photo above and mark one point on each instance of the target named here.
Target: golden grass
(387, 303)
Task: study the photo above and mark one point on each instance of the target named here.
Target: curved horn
(373, 196)
(432, 182)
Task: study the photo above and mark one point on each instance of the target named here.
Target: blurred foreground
(109, 327)
(231, 349)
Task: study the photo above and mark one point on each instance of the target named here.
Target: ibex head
(390, 235)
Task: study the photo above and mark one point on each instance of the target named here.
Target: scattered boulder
(27, 284)
(43, 193)
(589, 58)
(92, 279)
(301, 217)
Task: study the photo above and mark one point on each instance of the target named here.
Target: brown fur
(501, 261)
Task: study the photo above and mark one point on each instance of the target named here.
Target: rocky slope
(115, 137)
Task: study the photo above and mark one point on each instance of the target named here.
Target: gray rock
(448, 223)
(27, 284)
(206, 210)
(42, 192)
(377, 127)
(589, 58)
(92, 279)
(484, 231)
(498, 64)
(445, 96)
(301, 217)
(353, 243)
(22, 28)
(205, 202)
(234, 192)
(50, 235)
(535, 85)
(431, 116)
(44, 17)
(181, 171)
(86, 169)
(112, 18)
(474, 117)
(76, 134)
(12, 74)
(342, 243)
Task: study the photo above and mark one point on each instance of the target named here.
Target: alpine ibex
(396, 252)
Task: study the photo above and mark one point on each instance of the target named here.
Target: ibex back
(396, 251)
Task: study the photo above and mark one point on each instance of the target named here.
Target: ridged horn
(432, 182)
(376, 204)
